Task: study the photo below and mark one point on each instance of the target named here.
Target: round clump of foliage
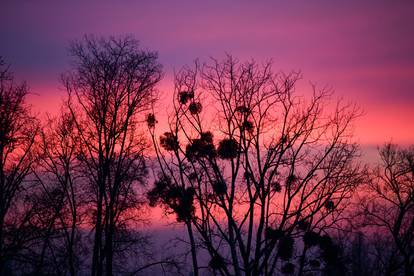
(151, 121)
(195, 108)
(285, 247)
(311, 238)
(216, 262)
(158, 193)
(314, 263)
(202, 147)
(219, 187)
(169, 141)
(288, 269)
(247, 175)
(330, 251)
(185, 96)
(248, 126)
(228, 148)
(178, 199)
(276, 187)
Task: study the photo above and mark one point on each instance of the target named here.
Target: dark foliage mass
(282, 191)
(228, 149)
(169, 141)
(202, 147)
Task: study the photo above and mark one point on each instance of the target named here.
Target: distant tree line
(264, 180)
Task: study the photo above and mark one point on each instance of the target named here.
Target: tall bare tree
(111, 84)
(258, 174)
(18, 131)
(388, 209)
(63, 188)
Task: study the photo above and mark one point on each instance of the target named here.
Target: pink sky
(364, 51)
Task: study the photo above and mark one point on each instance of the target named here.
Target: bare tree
(111, 84)
(18, 130)
(258, 175)
(388, 209)
(63, 187)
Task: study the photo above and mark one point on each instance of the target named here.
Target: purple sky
(363, 49)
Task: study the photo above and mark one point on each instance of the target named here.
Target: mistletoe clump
(242, 109)
(219, 187)
(311, 238)
(185, 96)
(169, 141)
(276, 187)
(228, 148)
(314, 263)
(151, 121)
(178, 199)
(195, 108)
(202, 147)
(291, 180)
(217, 262)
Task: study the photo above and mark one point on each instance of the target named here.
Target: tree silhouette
(18, 131)
(388, 209)
(62, 185)
(111, 84)
(258, 174)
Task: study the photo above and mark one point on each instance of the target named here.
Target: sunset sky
(364, 50)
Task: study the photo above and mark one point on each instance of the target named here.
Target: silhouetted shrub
(169, 141)
(288, 269)
(311, 238)
(195, 108)
(273, 234)
(286, 247)
(151, 121)
(202, 147)
(219, 187)
(228, 148)
(185, 96)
